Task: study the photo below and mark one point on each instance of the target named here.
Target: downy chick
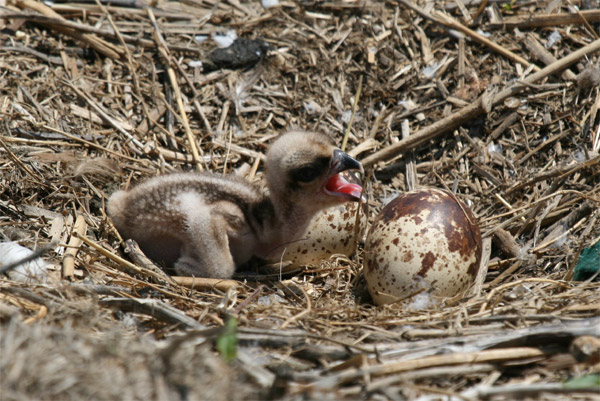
(206, 225)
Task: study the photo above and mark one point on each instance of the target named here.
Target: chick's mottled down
(205, 224)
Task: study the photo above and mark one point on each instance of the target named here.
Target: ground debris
(501, 104)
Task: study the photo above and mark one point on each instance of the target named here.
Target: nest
(491, 100)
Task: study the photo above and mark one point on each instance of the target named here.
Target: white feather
(421, 301)
(269, 3)
(226, 39)
(35, 270)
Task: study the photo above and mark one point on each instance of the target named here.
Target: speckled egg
(422, 239)
(331, 231)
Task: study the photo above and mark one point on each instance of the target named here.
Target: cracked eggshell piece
(422, 239)
(330, 232)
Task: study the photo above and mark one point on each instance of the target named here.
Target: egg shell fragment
(422, 239)
(332, 231)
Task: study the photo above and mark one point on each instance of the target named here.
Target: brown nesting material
(120, 88)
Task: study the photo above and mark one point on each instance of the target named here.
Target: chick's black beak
(337, 185)
(342, 162)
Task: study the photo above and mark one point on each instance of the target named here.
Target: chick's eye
(306, 174)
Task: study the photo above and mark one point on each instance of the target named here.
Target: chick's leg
(206, 252)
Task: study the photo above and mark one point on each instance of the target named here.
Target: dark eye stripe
(306, 174)
(309, 172)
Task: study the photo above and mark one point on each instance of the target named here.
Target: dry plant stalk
(106, 48)
(68, 262)
(525, 160)
(476, 108)
(205, 283)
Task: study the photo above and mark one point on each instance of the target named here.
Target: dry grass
(95, 98)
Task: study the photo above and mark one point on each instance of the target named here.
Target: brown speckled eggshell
(330, 232)
(425, 238)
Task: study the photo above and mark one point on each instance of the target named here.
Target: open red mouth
(338, 186)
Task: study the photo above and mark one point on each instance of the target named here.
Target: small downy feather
(32, 271)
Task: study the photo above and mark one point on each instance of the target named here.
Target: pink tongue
(338, 184)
